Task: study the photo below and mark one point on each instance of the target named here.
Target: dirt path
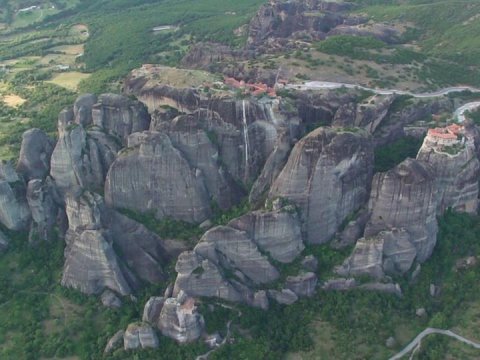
(415, 344)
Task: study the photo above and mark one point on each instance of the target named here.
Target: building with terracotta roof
(449, 135)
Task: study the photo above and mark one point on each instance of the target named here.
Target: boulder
(284, 297)
(235, 250)
(82, 109)
(152, 309)
(276, 232)
(140, 336)
(421, 312)
(114, 342)
(109, 299)
(310, 263)
(180, 320)
(302, 285)
(340, 284)
(260, 300)
(35, 153)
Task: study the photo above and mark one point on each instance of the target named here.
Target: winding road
(428, 331)
(327, 85)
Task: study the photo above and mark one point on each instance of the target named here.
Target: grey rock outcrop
(80, 159)
(120, 116)
(404, 197)
(402, 227)
(276, 232)
(368, 115)
(260, 300)
(82, 109)
(44, 210)
(14, 211)
(91, 262)
(115, 342)
(328, 176)
(109, 299)
(180, 320)
(152, 309)
(229, 261)
(233, 249)
(310, 263)
(91, 265)
(284, 297)
(152, 175)
(35, 153)
(140, 336)
(302, 285)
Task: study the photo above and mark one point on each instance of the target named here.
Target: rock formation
(35, 153)
(120, 116)
(91, 262)
(44, 210)
(402, 226)
(140, 336)
(14, 211)
(456, 170)
(81, 158)
(152, 175)
(328, 177)
(180, 320)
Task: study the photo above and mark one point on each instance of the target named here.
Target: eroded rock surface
(35, 153)
(180, 320)
(14, 211)
(328, 176)
(140, 336)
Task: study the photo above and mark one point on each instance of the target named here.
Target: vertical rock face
(153, 175)
(404, 197)
(276, 232)
(367, 115)
(188, 135)
(140, 336)
(82, 109)
(80, 159)
(43, 208)
(91, 262)
(327, 176)
(120, 116)
(180, 320)
(152, 309)
(402, 225)
(14, 211)
(272, 168)
(35, 153)
(456, 174)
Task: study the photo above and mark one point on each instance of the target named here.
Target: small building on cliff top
(447, 136)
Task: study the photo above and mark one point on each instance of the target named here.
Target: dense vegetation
(392, 154)
(40, 318)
